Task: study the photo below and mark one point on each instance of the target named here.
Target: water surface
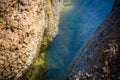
(78, 23)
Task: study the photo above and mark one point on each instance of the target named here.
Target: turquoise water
(76, 27)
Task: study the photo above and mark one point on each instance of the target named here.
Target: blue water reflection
(75, 29)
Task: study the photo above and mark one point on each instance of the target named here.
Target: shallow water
(78, 23)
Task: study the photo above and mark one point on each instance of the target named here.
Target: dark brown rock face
(100, 59)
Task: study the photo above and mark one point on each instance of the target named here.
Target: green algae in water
(38, 68)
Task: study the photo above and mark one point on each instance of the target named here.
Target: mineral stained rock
(100, 59)
(22, 25)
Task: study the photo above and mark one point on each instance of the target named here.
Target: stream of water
(78, 23)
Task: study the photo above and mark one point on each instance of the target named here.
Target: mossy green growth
(68, 6)
(38, 69)
(68, 2)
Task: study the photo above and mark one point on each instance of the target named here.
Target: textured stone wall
(53, 10)
(22, 25)
(100, 59)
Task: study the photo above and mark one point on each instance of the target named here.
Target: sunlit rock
(22, 25)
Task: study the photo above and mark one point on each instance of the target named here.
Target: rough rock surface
(22, 25)
(53, 10)
(100, 59)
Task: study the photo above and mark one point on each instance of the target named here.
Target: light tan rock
(22, 25)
